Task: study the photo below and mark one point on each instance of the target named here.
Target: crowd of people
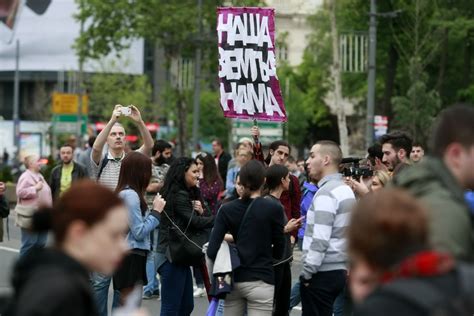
(390, 234)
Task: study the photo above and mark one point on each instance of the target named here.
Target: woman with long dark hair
(278, 154)
(134, 177)
(88, 223)
(278, 181)
(210, 183)
(256, 225)
(183, 210)
(210, 186)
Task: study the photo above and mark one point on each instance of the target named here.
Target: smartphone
(126, 110)
(9, 15)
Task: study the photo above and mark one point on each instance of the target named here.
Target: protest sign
(249, 86)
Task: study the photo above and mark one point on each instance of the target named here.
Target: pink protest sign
(249, 86)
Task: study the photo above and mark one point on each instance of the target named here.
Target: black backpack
(432, 300)
(104, 163)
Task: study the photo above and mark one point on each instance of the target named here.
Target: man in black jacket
(64, 174)
(221, 157)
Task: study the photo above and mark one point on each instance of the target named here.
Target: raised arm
(101, 139)
(147, 139)
(257, 146)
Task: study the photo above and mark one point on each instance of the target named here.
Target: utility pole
(336, 76)
(197, 80)
(16, 103)
(80, 92)
(369, 135)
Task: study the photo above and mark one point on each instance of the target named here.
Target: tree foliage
(107, 89)
(424, 58)
(173, 25)
(415, 112)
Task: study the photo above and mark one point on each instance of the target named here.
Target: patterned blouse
(210, 193)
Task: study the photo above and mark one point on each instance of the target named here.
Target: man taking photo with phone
(106, 169)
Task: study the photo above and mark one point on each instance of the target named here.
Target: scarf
(422, 264)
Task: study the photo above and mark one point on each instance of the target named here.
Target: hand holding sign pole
(255, 131)
(249, 87)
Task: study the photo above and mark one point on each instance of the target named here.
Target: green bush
(6, 174)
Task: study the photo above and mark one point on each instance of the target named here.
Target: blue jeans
(295, 297)
(30, 240)
(343, 304)
(176, 290)
(220, 308)
(101, 285)
(153, 282)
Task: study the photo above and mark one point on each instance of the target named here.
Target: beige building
(291, 24)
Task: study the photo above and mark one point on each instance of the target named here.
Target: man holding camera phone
(106, 170)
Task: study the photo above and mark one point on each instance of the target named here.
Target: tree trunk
(442, 63)
(336, 75)
(390, 75)
(181, 105)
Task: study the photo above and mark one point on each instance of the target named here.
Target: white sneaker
(200, 292)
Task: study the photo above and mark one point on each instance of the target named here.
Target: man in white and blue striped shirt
(324, 244)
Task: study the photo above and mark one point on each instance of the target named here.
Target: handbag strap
(245, 217)
(179, 229)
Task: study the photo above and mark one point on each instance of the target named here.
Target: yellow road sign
(65, 103)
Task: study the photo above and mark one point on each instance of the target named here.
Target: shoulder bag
(24, 215)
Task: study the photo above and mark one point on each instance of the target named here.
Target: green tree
(108, 89)
(172, 26)
(417, 110)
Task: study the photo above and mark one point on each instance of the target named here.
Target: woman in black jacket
(183, 209)
(256, 225)
(89, 223)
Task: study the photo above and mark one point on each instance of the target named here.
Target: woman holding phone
(183, 209)
(134, 178)
(278, 181)
(256, 225)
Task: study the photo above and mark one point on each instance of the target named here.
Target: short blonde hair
(30, 159)
(383, 177)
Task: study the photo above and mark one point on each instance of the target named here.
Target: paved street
(9, 253)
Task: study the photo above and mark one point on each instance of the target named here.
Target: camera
(354, 170)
